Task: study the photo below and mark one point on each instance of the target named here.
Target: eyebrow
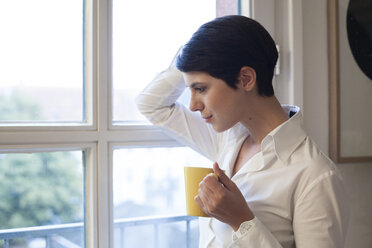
(195, 84)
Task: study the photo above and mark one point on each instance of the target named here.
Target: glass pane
(41, 61)
(149, 182)
(146, 36)
(42, 199)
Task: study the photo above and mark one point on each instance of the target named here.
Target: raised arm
(158, 102)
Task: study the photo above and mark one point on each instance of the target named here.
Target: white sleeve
(256, 236)
(158, 103)
(321, 213)
(320, 218)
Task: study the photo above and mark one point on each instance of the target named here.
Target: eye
(200, 89)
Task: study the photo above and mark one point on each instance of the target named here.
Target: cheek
(230, 108)
(215, 100)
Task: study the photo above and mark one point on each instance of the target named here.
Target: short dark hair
(224, 45)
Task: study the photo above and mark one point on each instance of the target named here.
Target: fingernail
(214, 174)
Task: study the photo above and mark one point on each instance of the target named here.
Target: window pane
(41, 61)
(146, 36)
(42, 199)
(149, 182)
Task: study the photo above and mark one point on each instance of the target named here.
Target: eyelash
(200, 89)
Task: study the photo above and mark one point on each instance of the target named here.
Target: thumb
(225, 180)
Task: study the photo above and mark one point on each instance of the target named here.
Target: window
(41, 65)
(69, 131)
(45, 190)
(143, 188)
(145, 40)
(148, 188)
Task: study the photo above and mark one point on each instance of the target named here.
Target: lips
(208, 118)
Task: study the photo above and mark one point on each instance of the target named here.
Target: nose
(195, 104)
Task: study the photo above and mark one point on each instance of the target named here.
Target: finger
(206, 191)
(214, 175)
(204, 203)
(225, 180)
(210, 182)
(199, 202)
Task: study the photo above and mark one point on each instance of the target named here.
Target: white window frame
(90, 176)
(98, 137)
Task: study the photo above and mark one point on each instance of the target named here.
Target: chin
(223, 128)
(219, 129)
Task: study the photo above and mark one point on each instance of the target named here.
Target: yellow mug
(193, 176)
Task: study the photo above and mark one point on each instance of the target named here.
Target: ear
(247, 78)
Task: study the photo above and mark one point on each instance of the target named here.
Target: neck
(263, 115)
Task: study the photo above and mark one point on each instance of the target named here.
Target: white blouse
(295, 192)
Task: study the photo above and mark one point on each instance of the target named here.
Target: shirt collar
(279, 144)
(285, 138)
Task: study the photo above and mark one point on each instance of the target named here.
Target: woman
(279, 189)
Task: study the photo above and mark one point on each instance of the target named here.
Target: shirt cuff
(244, 228)
(171, 75)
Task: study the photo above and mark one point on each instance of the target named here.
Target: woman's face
(219, 104)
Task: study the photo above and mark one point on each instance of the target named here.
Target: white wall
(358, 177)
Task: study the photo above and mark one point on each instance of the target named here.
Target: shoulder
(310, 158)
(314, 169)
